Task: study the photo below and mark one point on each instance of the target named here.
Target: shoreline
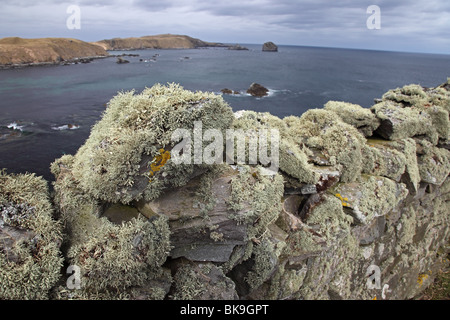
(78, 60)
(88, 59)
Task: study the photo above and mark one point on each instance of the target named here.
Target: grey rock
(270, 46)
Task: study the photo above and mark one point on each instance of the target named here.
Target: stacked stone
(357, 190)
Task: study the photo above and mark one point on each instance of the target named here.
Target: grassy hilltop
(15, 50)
(19, 51)
(162, 41)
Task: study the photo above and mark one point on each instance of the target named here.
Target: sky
(392, 25)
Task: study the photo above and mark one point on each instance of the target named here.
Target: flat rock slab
(196, 233)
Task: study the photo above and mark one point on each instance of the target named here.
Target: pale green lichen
(433, 104)
(434, 163)
(371, 197)
(111, 165)
(261, 193)
(362, 119)
(396, 156)
(337, 141)
(325, 221)
(265, 262)
(29, 265)
(117, 257)
(412, 94)
(330, 273)
(293, 159)
(383, 161)
(328, 219)
(417, 96)
(286, 282)
(113, 257)
(202, 281)
(187, 282)
(398, 122)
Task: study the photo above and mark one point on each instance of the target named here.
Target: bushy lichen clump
(417, 96)
(202, 281)
(30, 259)
(113, 257)
(117, 257)
(338, 142)
(261, 193)
(293, 158)
(362, 119)
(413, 110)
(434, 163)
(114, 164)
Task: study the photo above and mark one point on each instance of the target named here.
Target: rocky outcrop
(237, 47)
(229, 91)
(270, 47)
(17, 51)
(257, 90)
(162, 41)
(121, 60)
(353, 212)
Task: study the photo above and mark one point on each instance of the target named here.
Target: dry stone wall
(359, 208)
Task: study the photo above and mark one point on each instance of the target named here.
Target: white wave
(270, 93)
(66, 127)
(15, 126)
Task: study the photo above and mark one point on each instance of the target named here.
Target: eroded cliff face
(18, 51)
(359, 208)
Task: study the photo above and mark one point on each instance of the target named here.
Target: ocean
(47, 111)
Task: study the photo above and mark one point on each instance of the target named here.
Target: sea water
(46, 112)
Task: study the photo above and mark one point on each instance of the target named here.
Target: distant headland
(16, 51)
(162, 41)
(19, 52)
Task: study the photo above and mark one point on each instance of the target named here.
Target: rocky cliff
(359, 208)
(18, 51)
(163, 41)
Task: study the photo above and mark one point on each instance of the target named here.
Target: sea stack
(270, 47)
(257, 90)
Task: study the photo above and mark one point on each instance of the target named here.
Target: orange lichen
(343, 200)
(159, 161)
(422, 277)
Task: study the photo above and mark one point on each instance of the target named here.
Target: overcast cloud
(414, 25)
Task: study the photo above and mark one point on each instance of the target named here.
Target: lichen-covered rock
(398, 122)
(115, 247)
(218, 211)
(202, 281)
(338, 142)
(433, 162)
(117, 257)
(356, 211)
(293, 159)
(370, 198)
(115, 163)
(414, 95)
(384, 161)
(395, 155)
(413, 110)
(30, 238)
(362, 119)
